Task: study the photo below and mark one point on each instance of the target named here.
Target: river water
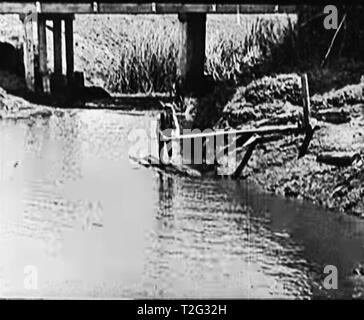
(79, 219)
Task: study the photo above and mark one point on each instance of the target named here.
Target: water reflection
(97, 226)
(210, 246)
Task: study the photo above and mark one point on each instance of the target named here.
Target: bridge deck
(144, 8)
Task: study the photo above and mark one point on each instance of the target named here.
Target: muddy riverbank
(16, 108)
(275, 166)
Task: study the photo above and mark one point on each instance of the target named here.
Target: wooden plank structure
(69, 46)
(57, 45)
(44, 85)
(252, 136)
(29, 54)
(192, 18)
(37, 75)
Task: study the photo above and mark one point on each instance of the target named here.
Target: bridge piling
(43, 85)
(57, 45)
(35, 52)
(28, 50)
(69, 47)
(192, 50)
(58, 80)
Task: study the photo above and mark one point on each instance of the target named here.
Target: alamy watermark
(331, 20)
(28, 279)
(331, 280)
(196, 147)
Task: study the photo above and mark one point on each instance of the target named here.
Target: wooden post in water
(169, 126)
(250, 144)
(161, 126)
(192, 50)
(159, 138)
(28, 50)
(69, 47)
(44, 85)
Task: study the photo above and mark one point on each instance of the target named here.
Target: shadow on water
(324, 238)
(96, 225)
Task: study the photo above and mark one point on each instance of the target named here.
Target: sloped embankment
(274, 165)
(16, 108)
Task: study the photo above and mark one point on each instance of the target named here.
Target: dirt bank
(275, 165)
(16, 108)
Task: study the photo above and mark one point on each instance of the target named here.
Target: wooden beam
(131, 8)
(306, 101)
(57, 45)
(254, 8)
(17, 7)
(183, 8)
(28, 51)
(69, 46)
(64, 7)
(169, 8)
(250, 144)
(302, 150)
(287, 9)
(44, 85)
(261, 131)
(224, 8)
(135, 8)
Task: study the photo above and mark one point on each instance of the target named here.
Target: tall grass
(234, 51)
(147, 61)
(144, 49)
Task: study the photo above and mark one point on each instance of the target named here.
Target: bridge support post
(58, 80)
(28, 51)
(192, 51)
(35, 52)
(57, 45)
(69, 48)
(44, 84)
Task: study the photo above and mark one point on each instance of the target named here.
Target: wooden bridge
(192, 18)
